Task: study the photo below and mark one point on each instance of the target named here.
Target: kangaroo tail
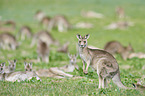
(117, 81)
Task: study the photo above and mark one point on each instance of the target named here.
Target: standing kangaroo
(43, 51)
(114, 47)
(60, 22)
(101, 61)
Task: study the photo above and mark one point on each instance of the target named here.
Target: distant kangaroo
(44, 36)
(11, 67)
(25, 32)
(120, 12)
(101, 61)
(43, 51)
(8, 41)
(60, 22)
(114, 47)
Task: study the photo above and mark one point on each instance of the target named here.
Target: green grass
(22, 11)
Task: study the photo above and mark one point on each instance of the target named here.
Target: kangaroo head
(2, 65)
(82, 40)
(129, 48)
(28, 67)
(12, 65)
(73, 58)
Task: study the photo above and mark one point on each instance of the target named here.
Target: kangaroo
(25, 32)
(64, 48)
(8, 41)
(72, 65)
(44, 36)
(120, 12)
(7, 26)
(59, 72)
(60, 22)
(116, 47)
(39, 15)
(119, 25)
(92, 14)
(45, 21)
(43, 51)
(139, 85)
(19, 75)
(101, 61)
(11, 67)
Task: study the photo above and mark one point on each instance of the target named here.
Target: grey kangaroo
(101, 61)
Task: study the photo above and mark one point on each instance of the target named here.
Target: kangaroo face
(72, 58)
(82, 40)
(12, 65)
(2, 65)
(28, 67)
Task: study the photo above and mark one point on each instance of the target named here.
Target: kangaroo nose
(81, 45)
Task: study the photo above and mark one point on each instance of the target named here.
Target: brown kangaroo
(114, 47)
(101, 61)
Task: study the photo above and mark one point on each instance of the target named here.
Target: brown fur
(43, 51)
(60, 22)
(114, 47)
(101, 61)
(8, 41)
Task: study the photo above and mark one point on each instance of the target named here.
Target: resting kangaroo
(101, 61)
(11, 67)
(116, 47)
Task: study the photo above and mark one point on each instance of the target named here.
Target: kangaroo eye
(1, 68)
(84, 41)
(30, 69)
(79, 41)
(26, 69)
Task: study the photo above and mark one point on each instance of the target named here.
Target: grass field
(22, 11)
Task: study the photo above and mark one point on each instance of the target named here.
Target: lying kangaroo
(72, 65)
(43, 51)
(116, 47)
(44, 36)
(60, 22)
(139, 85)
(7, 26)
(8, 41)
(101, 61)
(17, 76)
(25, 32)
(11, 67)
(59, 72)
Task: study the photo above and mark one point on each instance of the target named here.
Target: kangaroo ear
(25, 63)
(87, 36)
(15, 60)
(3, 64)
(69, 55)
(30, 64)
(79, 36)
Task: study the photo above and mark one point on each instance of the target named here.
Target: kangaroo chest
(85, 57)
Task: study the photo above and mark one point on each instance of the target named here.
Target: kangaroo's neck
(82, 49)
